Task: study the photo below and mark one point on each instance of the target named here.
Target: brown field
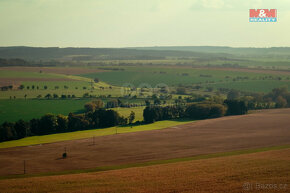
(9, 82)
(263, 129)
(235, 174)
(56, 70)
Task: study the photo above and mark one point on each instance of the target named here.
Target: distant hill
(221, 49)
(39, 53)
(200, 53)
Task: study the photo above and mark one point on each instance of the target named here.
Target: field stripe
(151, 163)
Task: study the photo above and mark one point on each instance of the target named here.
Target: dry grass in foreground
(239, 173)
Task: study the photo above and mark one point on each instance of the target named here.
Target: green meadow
(13, 110)
(24, 74)
(191, 76)
(264, 86)
(90, 133)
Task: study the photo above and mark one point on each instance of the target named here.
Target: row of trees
(45, 87)
(277, 98)
(49, 124)
(194, 111)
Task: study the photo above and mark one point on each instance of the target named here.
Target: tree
(198, 111)
(48, 96)
(217, 110)
(233, 94)
(112, 103)
(151, 114)
(236, 107)
(62, 123)
(131, 117)
(86, 95)
(77, 122)
(99, 103)
(147, 103)
(90, 107)
(7, 132)
(48, 124)
(22, 129)
(157, 101)
(55, 96)
(35, 126)
(96, 80)
(45, 87)
(21, 87)
(281, 102)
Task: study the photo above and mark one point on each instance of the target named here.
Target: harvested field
(262, 129)
(58, 70)
(241, 173)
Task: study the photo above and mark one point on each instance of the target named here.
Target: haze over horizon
(127, 23)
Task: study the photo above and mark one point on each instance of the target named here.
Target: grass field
(220, 173)
(55, 83)
(13, 110)
(25, 74)
(90, 133)
(188, 76)
(19, 94)
(126, 112)
(252, 86)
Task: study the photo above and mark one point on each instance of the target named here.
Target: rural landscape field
(128, 97)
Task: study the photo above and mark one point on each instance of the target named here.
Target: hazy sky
(122, 23)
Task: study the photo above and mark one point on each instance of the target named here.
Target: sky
(138, 23)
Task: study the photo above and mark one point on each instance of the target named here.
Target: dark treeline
(277, 98)
(49, 124)
(102, 118)
(194, 111)
(13, 62)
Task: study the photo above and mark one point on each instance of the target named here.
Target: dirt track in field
(262, 129)
(57, 70)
